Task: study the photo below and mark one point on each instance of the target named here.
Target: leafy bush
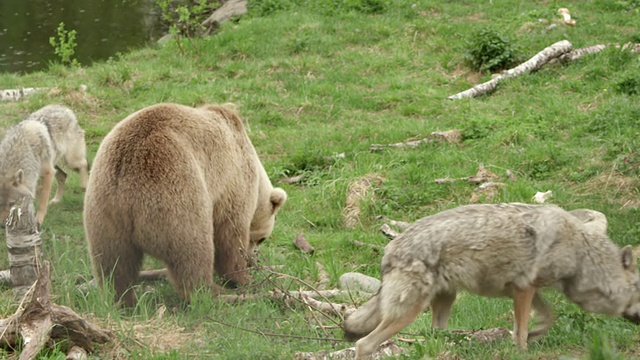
(629, 86)
(491, 51)
(65, 44)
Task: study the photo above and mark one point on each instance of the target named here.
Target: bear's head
(11, 190)
(264, 218)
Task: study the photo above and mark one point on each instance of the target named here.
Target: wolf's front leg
(522, 306)
(44, 191)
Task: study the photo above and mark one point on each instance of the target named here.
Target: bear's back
(156, 142)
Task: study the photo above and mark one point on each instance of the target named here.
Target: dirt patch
(156, 335)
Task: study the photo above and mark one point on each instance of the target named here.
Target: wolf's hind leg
(544, 316)
(441, 309)
(362, 322)
(61, 178)
(401, 299)
(389, 326)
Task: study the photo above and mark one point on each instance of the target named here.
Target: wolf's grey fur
(497, 250)
(31, 150)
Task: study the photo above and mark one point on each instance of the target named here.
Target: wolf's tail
(360, 323)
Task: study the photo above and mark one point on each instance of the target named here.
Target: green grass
(333, 78)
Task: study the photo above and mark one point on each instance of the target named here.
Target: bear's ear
(18, 178)
(277, 198)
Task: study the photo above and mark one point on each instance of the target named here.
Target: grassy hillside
(318, 85)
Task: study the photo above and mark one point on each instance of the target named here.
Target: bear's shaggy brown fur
(183, 185)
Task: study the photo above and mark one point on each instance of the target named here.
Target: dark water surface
(105, 27)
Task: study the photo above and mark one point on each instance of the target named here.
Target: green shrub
(491, 51)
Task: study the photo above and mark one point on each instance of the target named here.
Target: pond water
(104, 28)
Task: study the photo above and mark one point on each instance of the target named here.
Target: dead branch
(323, 276)
(265, 334)
(406, 144)
(41, 320)
(356, 192)
(152, 275)
(483, 175)
(293, 179)
(566, 16)
(328, 307)
(402, 225)
(77, 353)
(293, 296)
(35, 322)
(388, 231)
(360, 243)
(451, 136)
(301, 243)
(488, 335)
(386, 349)
(533, 64)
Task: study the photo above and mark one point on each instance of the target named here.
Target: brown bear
(184, 185)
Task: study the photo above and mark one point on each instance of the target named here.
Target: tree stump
(37, 320)
(24, 246)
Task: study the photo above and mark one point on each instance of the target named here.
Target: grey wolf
(509, 250)
(184, 185)
(30, 153)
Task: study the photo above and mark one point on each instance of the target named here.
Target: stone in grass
(359, 282)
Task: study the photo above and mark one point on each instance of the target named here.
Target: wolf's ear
(18, 178)
(626, 255)
(277, 198)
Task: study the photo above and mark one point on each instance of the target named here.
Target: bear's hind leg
(191, 267)
(121, 268)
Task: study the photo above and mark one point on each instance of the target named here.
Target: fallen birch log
(18, 94)
(535, 63)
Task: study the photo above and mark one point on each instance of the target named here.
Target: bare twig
(323, 276)
(386, 350)
(269, 334)
(360, 243)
